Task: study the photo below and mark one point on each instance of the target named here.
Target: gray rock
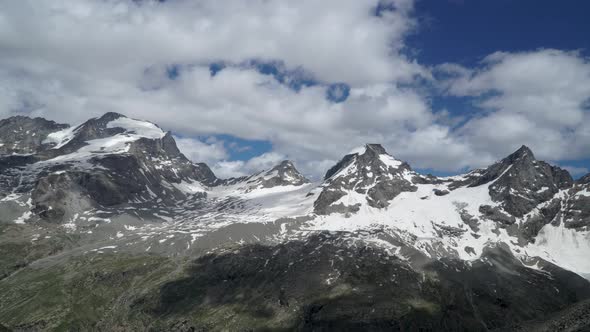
(439, 192)
(522, 182)
(497, 215)
(366, 174)
(469, 220)
(24, 135)
(577, 211)
(531, 227)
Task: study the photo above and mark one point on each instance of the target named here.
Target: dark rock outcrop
(522, 182)
(577, 206)
(24, 135)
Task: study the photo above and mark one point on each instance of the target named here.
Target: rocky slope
(23, 135)
(369, 172)
(108, 226)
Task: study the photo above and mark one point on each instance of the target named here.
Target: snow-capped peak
(111, 124)
(371, 159)
(110, 133)
(373, 149)
(370, 175)
(358, 150)
(283, 174)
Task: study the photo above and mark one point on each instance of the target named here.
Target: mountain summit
(369, 172)
(521, 182)
(282, 174)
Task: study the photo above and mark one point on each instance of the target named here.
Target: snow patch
(25, 216)
(139, 128)
(358, 150)
(389, 160)
(62, 137)
(189, 187)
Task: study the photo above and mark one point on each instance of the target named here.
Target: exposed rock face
(163, 157)
(497, 215)
(577, 213)
(58, 197)
(522, 182)
(524, 188)
(23, 135)
(548, 212)
(370, 172)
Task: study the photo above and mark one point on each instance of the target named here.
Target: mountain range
(107, 226)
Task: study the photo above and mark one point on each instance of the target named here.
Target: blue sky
(447, 85)
(466, 31)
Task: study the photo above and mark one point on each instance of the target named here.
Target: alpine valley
(107, 226)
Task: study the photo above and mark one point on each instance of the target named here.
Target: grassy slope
(292, 286)
(77, 295)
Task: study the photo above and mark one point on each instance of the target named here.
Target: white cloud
(336, 40)
(199, 151)
(576, 171)
(534, 98)
(237, 168)
(70, 60)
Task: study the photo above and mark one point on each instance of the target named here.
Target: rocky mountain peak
(100, 123)
(283, 174)
(287, 172)
(520, 182)
(374, 149)
(285, 164)
(523, 153)
(368, 171)
(369, 151)
(110, 116)
(110, 132)
(369, 159)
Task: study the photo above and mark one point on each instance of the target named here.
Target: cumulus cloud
(237, 168)
(336, 40)
(536, 98)
(214, 152)
(210, 151)
(70, 60)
